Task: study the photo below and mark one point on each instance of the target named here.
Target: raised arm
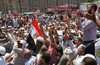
(93, 17)
(56, 34)
(97, 22)
(43, 33)
(51, 35)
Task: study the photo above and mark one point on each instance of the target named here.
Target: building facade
(20, 6)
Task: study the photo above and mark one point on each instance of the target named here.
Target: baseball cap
(2, 50)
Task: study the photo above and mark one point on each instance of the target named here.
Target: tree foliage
(91, 0)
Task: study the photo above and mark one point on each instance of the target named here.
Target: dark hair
(0, 54)
(90, 10)
(46, 57)
(59, 49)
(63, 60)
(88, 4)
(19, 44)
(89, 61)
(79, 39)
(94, 6)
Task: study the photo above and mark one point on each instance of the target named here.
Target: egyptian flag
(31, 43)
(35, 28)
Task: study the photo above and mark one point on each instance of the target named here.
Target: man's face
(77, 42)
(80, 51)
(38, 43)
(65, 37)
(89, 8)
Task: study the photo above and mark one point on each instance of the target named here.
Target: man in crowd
(2, 53)
(47, 46)
(89, 28)
(43, 59)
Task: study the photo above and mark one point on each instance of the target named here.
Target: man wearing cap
(39, 44)
(2, 52)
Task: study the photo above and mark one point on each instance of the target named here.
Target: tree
(91, 0)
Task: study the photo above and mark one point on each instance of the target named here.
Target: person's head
(64, 61)
(3, 29)
(27, 54)
(43, 58)
(40, 40)
(81, 50)
(2, 51)
(22, 43)
(88, 61)
(89, 8)
(94, 8)
(77, 41)
(22, 30)
(19, 44)
(65, 36)
(59, 51)
(43, 49)
(11, 30)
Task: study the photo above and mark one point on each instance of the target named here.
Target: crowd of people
(66, 39)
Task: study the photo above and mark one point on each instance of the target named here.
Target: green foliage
(91, 0)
